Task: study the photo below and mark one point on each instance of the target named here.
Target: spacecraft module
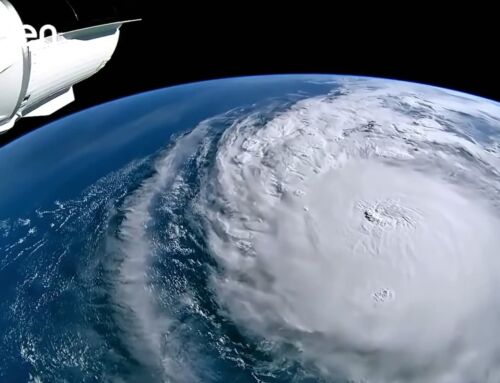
(37, 76)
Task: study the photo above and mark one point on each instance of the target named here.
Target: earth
(266, 229)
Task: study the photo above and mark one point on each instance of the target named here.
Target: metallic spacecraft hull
(37, 76)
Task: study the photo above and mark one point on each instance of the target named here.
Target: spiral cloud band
(359, 232)
(325, 229)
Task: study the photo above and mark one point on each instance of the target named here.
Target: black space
(187, 43)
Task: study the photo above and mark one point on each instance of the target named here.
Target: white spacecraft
(37, 76)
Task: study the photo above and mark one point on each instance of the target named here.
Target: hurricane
(348, 236)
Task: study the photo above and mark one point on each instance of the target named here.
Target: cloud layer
(361, 229)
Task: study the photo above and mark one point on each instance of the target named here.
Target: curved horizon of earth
(295, 228)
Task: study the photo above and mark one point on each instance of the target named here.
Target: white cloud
(365, 236)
